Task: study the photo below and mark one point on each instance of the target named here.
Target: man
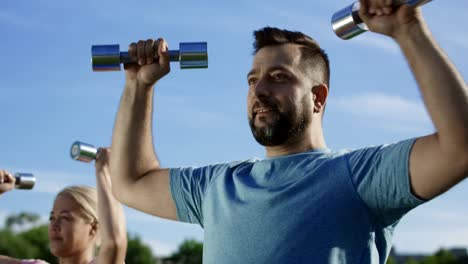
(304, 203)
(7, 181)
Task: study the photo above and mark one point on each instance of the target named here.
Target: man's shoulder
(238, 163)
(393, 146)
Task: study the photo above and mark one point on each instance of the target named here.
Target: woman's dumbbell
(24, 181)
(83, 152)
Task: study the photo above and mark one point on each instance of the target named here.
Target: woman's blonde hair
(86, 198)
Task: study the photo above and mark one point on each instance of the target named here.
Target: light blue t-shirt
(312, 207)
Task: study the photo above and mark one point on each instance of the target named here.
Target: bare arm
(111, 216)
(138, 180)
(8, 260)
(7, 181)
(437, 161)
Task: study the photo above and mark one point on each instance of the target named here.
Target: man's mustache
(259, 104)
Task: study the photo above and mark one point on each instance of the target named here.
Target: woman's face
(69, 232)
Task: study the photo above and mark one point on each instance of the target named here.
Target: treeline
(22, 238)
(440, 257)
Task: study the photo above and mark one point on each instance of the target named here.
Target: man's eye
(279, 77)
(252, 81)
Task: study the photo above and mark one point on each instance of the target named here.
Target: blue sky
(49, 96)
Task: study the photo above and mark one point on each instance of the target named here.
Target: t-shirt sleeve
(381, 177)
(188, 188)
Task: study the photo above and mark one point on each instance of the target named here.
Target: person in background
(83, 220)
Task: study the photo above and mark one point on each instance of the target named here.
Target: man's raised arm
(138, 180)
(438, 161)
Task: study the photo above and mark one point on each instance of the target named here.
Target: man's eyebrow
(274, 68)
(280, 68)
(253, 71)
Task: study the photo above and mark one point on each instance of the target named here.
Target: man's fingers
(149, 51)
(364, 11)
(132, 51)
(163, 52)
(376, 7)
(141, 54)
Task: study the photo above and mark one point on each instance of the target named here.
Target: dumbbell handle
(24, 181)
(191, 55)
(347, 23)
(174, 55)
(83, 151)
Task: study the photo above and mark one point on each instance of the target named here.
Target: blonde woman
(74, 230)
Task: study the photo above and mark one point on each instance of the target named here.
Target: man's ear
(319, 94)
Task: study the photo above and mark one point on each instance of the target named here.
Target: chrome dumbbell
(347, 24)
(24, 181)
(83, 152)
(191, 55)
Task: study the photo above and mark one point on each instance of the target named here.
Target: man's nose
(261, 88)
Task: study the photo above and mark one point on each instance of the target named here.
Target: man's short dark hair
(311, 54)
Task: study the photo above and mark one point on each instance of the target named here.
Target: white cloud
(188, 113)
(440, 223)
(161, 249)
(51, 182)
(373, 40)
(389, 111)
(135, 215)
(458, 39)
(54, 182)
(455, 218)
(430, 240)
(3, 216)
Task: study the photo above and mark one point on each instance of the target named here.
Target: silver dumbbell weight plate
(83, 152)
(24, 181)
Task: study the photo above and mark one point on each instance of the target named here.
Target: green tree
(21, 219)
(23, 244)
(412, 261)
(189, 252)
(441, 257)
(15, 246)
(39, 239)
(391, 260)
(138, 252)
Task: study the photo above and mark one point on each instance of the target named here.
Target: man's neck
(298, 145)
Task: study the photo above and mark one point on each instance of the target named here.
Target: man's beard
(283, 126)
